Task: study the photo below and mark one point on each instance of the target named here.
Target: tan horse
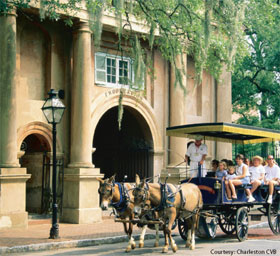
(111, 195)
(186, 208)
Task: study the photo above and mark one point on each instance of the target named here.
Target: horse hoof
(165, 250)
(174, 248)
(156, 244)
(128, 249)
(133, 246)
(192, 247)
(141, 244)
(188, 245)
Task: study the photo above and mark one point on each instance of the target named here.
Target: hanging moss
(120, 110)
(95, 10)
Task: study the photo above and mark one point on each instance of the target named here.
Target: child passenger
(221, 172)
(231, 173)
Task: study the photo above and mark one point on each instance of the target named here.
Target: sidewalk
(35, 237)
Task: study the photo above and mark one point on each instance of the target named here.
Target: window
(113, 71)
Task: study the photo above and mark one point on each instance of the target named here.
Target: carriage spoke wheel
(273, 215)
(183, 229)
(242, 224)
(226, 223)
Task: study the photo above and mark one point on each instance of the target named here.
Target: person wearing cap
(197, 153)
(257, 172)
(272, 177)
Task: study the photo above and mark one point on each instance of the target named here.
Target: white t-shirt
(272, 172)
(195, 153)
(256, 172)
(230, 176)
(239, 170)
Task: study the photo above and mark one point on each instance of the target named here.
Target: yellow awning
(225, 132)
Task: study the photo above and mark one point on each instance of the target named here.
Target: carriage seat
(244, 186)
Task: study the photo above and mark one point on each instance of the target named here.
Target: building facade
(39, 55)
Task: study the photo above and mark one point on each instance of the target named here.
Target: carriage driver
(197, 153)
(272, 176)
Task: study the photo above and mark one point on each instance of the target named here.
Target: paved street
(219, 246)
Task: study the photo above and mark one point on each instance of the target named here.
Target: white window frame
(118, 59)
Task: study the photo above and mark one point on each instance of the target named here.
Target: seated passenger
(272, 177)
(247, 161)
(230, 176)
(257, 175)
(215, 165)
(242, 177)
(230, 173)
(221, 172)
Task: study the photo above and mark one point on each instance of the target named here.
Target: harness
(167, 197)
(121, 206)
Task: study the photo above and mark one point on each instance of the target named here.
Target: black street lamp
(53, 110)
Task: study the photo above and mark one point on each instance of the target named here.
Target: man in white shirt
(197, 153)
(272, 176)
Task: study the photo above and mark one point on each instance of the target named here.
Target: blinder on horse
(140, 189)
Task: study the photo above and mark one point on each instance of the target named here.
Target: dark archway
(123, 152)
(34, 145)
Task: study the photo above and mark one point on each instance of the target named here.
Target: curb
(260, 225)
(70, 244)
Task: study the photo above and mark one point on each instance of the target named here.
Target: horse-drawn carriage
(231, 216)
(164, 204)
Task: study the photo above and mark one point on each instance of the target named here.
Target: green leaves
(255, 81)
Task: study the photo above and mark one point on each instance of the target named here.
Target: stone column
(12, 178)
(8, 127)
(81, 199)
(178, 115)
(81, 141)
(224, 111)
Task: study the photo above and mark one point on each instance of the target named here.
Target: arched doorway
(123, 152)
(34, 146)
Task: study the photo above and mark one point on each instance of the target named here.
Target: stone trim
(36, 127)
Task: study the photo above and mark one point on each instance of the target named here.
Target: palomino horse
(119, 196)
(170, 202)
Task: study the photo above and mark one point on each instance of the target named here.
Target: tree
(255, 80)
(209, 30)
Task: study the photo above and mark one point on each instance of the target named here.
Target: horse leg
(142, 236)
(166, 244)
(157, 235)
(169, 228)
(193, 227)
(189, 235)
(131, 242)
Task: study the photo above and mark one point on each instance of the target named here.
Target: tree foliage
(209, 30)
(256, 77)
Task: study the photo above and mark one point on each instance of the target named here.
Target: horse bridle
(112, 185)
(145, 195)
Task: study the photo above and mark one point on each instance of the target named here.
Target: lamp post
(53, 110)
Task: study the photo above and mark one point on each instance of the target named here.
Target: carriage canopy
(225, 132)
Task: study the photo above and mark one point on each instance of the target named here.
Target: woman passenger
(242, 177)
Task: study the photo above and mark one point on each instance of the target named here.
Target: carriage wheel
(226, 223)
(273, 215)
(242, 224)
(183, 229)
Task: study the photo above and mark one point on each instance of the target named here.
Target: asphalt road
(218, 246)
